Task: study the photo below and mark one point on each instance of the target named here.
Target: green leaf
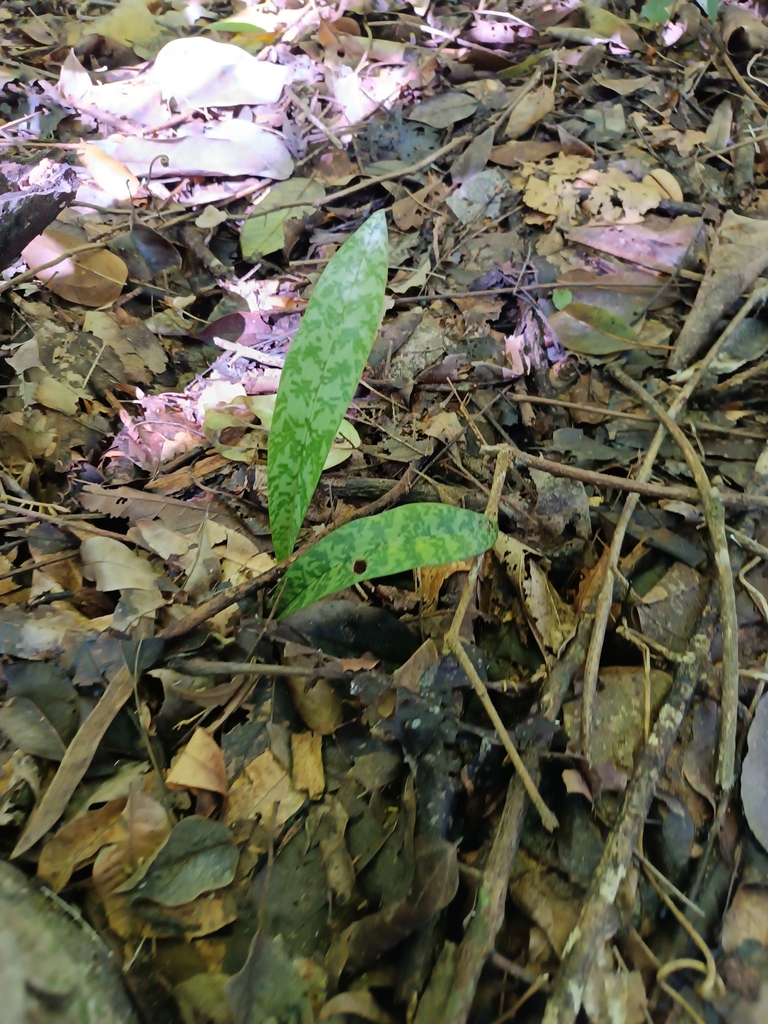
(322, 369)
(657, 10)
(394, 541)
(524, 67)
(198, 856)
(561, 297)
(591, 330)
(602, 320)
(249, 439)
(264, 231)
(249, 19)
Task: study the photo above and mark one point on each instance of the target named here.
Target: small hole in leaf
(359, 565)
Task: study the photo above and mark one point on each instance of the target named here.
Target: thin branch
(588, 935)
(605, 598)
(488, 912)
(34, 271)
(659, 492)
(454, 645)
(714, 517)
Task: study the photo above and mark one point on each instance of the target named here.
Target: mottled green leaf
(322, 370)
(264, 231)
(561, 297)
(199, 855)
(394, 541)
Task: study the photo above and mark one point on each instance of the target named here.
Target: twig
(737, 77)
(304, 108)
(368, 182)
(587, 936)
(453, 644)
(41, 564)
(548, 819)
(759, 294)
(201, 667)
(637, 486)
(488, 915)
(663, 880)
(712, 987)
(714, 517)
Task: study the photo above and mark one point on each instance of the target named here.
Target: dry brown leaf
(531, 109)
(743, 30)
(656, 243)
(552, 621)
(263, 784)
(738, 257)
(199, 766)
(575, 783)
(513, 153)
(90, 278)
(76, 760)
(76, 842)
(144, 826)
(747, 918)
(307, 757)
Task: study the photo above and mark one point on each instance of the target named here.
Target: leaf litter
(297, 784)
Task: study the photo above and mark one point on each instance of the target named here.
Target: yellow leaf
(110, 175)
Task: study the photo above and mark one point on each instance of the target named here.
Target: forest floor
(525, 785)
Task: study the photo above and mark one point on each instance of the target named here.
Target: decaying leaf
(268, 987)
(90, 278)
(199, 766)
(198, 856)
(738, 257)
(552, 621)
(434, 885)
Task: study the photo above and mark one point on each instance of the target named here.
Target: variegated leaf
(322, 370)
(394, 541)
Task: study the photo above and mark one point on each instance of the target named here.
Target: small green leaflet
(394, 541)
(658, 11)
(248, 19)
(322, 369)
(710, 8)
(561, 297)
(264, 231)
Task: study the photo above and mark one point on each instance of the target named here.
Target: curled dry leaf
(551, 620)
(200, 766)
(743, 30)
(90, 278)
(77, 842)
(739, 256)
